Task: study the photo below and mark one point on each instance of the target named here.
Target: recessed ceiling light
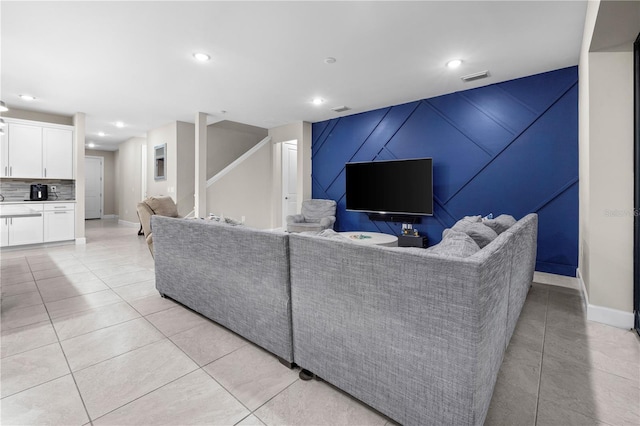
(101, 134)
(454, 63)
(329, 60)
(3, 107)
(27, 98)
(91, 145)
(317, 101)
(201, 57)
(119, 124)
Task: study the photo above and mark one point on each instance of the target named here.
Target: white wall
(129, 190)
(166, 134)
(228, 140)
(606, 178)
(300, 132)
(611, 180)
(245, 191)
(185, 166)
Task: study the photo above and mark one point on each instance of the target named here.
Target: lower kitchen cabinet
(59, 223)
(35, 223)
(24, 230)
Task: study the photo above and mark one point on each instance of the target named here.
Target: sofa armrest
(295, 218)
(327, 222)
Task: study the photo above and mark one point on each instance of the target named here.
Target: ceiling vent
(475, 76)
(340, 108)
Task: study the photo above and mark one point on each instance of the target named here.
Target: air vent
(475, 76)
(340, 108)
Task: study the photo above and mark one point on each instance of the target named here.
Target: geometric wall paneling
(557, 244)
(511, 147)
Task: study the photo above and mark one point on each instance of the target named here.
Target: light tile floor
(87, 339)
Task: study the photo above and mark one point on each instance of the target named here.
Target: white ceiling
(132, 61)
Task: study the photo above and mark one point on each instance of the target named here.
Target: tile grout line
(64, 355)
(544, 336)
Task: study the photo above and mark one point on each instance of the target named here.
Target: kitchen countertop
(41, 202)
(18, 211)
(10, 209)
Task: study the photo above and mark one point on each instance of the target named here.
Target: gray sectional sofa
(416, 334)
(236, 276)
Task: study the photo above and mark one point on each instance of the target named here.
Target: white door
(93, 187)
(57, 153)
(289, 180)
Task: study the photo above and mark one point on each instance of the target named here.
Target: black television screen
(397, 186)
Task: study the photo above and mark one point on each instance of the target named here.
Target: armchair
(316, 215)
(161, 205)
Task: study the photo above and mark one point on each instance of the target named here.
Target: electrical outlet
(53, 188)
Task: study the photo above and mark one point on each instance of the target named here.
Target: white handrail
(237, 161)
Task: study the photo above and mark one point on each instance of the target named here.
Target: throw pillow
(480, 233)
(162, 205)
(500, 223)
(455, 244)
(476, 218)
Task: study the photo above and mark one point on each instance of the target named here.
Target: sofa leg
(289, 365)
(164, 296)
(306, 375)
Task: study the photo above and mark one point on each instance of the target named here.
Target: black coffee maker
(39, 192)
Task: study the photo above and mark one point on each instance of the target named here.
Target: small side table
(413, 241)
(372, 238)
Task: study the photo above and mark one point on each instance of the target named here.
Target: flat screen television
(396, 186)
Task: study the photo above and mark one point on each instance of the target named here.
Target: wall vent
(475, 76)
(340, 108)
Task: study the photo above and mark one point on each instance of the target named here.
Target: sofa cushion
(500, 223)
(454, 244)
(480, 233)
(304, 226)
(162, 205)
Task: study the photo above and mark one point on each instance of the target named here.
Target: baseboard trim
(127, 223)
(81, 241)
(109, 216)
(557, 280)
(602, 314)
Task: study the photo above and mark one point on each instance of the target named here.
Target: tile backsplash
(18, 189)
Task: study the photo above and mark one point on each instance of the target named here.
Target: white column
(200, 195)
(78, 166)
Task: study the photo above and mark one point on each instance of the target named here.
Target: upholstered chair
(161, 205)
(316, 215)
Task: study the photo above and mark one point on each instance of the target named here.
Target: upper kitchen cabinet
(37, 150)
(25, 151)
(57, 153)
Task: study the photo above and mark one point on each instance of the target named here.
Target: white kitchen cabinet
(57, 153)
(25, 230)
(25, 151)
(4, 155)
(4, 232)
(37, 150)
(59, 222)
(21, 224)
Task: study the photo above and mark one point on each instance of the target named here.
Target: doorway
(289, 180)
(94, 172)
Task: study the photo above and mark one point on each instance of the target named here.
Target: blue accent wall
(511, 148)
